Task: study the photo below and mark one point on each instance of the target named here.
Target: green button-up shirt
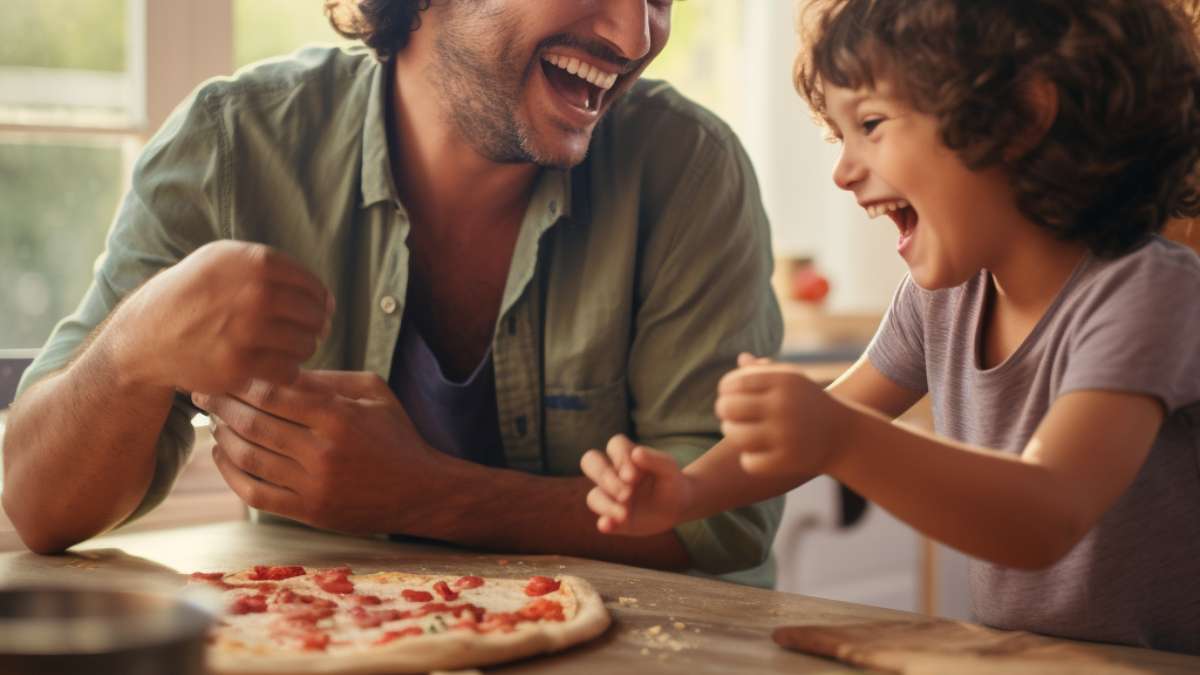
(637, 277)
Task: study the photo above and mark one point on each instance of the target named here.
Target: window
(67, 63)
(704, 57)
(70, 83)
(57, 192)
(266, 28)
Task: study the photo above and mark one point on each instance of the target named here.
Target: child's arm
(1022, 511)
(641, 491)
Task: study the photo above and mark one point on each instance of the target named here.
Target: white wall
(810, 216)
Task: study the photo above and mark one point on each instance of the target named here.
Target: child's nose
(848, 171)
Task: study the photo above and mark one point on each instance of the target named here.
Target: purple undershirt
(457, 418)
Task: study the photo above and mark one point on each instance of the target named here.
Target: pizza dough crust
(451, 650)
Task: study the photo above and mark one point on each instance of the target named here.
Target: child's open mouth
(905, 219)
(903, 214)
(581, 85)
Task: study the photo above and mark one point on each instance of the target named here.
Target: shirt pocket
(578, 420)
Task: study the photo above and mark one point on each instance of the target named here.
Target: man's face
(528, 81)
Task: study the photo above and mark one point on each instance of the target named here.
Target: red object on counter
(808, 285)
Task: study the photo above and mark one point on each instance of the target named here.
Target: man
(490, 250)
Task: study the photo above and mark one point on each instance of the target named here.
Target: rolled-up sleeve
(171, 208)
(705, 296)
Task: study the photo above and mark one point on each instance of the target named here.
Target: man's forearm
(79, 450)
(508, 510)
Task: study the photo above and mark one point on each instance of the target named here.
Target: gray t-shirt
(1130, 324)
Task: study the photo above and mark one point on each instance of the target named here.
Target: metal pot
(52, 630)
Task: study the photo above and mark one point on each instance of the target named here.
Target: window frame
(13, 362)
(171, 47)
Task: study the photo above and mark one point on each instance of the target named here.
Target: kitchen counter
(663, 622)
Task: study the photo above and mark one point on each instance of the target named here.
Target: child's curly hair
(383, 25)
(1120, 157)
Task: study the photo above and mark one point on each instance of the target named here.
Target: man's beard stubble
(480, 93)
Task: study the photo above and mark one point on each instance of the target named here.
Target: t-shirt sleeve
(898, 348)
(1138, 331)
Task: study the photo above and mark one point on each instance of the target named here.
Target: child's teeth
(876, 210)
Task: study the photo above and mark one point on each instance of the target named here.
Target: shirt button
(553, 208)
(387, 304)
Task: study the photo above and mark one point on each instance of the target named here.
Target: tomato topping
(208, 576)
(396, 634)
(541, 586)
(371, 618)
(290, 597)
(468, 624)
(334, 581)
(363, 618)
(249, 604)
(456, 610)
(469, 582)
(416, 596)
(444, 591)
(366, 599)
(307, 615)
(505, 622)
(542, 609)
(315, 640)
(276, 572)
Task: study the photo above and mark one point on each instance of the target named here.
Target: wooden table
(663, 622)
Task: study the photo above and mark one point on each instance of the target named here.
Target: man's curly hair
(382, 25)
(1121, 156)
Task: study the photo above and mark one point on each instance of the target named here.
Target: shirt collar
(376, 179)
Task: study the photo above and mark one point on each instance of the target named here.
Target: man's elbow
(31, 534)
(31, 525)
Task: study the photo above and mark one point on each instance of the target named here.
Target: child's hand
(778, 419)
(639, 490)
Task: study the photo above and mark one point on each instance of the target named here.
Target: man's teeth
(585, 71)
(876, 210)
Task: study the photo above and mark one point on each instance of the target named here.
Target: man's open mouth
(581, 84)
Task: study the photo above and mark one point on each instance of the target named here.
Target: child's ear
(1040, 96)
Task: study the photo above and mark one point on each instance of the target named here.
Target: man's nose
(625, 25)
(849, 171)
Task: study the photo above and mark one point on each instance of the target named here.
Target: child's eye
(869, 126)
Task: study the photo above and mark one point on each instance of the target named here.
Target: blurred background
(84, 84)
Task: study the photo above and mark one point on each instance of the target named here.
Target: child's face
(951, 219)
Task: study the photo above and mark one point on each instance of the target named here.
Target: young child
(1028, 153)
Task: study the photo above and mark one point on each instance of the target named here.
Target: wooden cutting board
(940, 647)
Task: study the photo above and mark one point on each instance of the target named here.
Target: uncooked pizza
(288, 619)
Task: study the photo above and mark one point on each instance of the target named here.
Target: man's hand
(780, 421)
(639, 491)
(334, 450)
(228, 312)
